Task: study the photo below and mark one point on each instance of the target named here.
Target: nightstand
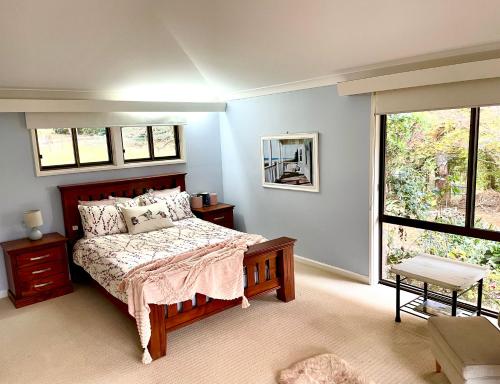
(221, 214)
(37, 270)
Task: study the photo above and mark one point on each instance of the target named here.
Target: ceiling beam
(477, 70)
(33, 105)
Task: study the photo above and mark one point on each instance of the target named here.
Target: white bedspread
(108, 258)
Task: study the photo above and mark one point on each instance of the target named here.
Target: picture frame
(290, 161)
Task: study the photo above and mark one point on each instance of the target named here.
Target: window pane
(487, 213)
(164, 141)
(401, 242)
(135, 143)
(92, 145)
(426, 165)
(55, 147)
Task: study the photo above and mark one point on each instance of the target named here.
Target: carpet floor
(82, 338)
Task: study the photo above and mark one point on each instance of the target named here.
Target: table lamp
(33, 219)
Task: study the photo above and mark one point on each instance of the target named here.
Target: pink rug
(322, 369)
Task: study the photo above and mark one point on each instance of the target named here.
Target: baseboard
(330, 268)
(3, 294)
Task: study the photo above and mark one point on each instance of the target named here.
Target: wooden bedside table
(221, 214)
(37, 270)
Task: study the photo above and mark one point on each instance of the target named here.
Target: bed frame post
(285, 269)
(158, 342)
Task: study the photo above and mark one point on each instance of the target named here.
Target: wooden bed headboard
(71, 194)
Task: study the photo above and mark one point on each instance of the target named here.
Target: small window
(73, 147)
(150, 143)
(135, 143)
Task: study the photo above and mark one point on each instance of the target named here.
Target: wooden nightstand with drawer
(221, 214)
(37, 270)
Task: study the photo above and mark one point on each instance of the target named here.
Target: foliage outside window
(150, 143)
(441, 182)
(73, 147)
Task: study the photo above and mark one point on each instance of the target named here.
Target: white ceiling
(201, 49)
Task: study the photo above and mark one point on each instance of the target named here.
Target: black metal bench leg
(454, 303)
(425, 291)
(479, 296)
(398, 299)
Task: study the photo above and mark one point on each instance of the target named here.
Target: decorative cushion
(178, 205)
(101, 220)
(146, 219)
(471, 345)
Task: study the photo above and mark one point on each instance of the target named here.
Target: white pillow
(166, 192)
(151, 195)
(147, 198)
(145, 219)
(178, 205)
(90, 203)
(101, 220)
(127, 201)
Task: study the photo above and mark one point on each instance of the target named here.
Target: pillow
(178, 205)
(126, 201)
(166, 192)
(96, 202)
(144, 199)
(146, 219)
(101, 220)
(147, 198)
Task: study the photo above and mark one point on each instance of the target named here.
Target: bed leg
(284, 265)
(158, 342)
(438, 367)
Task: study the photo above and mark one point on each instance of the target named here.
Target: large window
(73, 147)
(440, 190)
(150, 143)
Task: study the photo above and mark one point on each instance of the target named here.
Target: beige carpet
(82, 338)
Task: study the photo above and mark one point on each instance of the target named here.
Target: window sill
(99, 168)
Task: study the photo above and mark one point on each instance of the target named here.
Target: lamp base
(35, 234)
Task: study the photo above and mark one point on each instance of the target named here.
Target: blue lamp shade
(33, 219)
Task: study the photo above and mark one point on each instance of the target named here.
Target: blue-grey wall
(331, 226)
(223, 155)
(21, 190)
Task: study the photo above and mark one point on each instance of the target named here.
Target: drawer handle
(41, 271)
(39, 257)
(43, 284)
(218, 218)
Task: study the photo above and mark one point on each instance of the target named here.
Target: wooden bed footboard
(269, 266)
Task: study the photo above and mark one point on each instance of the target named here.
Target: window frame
(150, 142)
(467, 230)
(117, 151)
(77, 164)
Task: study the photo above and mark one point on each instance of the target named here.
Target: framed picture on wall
(290, 161)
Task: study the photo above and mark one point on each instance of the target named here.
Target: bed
(268, 265)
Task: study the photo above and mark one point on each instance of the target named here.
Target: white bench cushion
(471, 344)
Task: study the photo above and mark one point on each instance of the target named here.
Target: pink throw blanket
(215, 271)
